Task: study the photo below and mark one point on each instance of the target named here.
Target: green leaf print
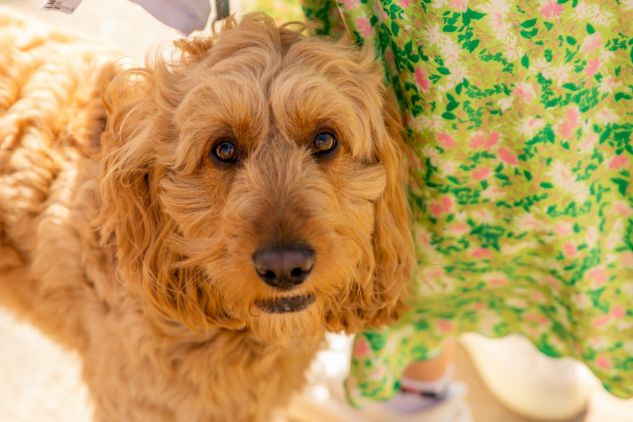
(470, 14)
(376, 340)
(529, 23)
(408, 47)
(545, 347)
(488, 235)
(452, 103)
(598, 301)
(472, 45)
(525, 61)
(548, 55)
(529, 34)
(395, 29)
(623, 184)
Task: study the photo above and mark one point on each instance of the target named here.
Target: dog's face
(257, 183)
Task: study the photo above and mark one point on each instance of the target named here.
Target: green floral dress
(520, 119)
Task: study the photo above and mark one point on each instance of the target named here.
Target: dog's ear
(392, 241)
(134, 157)
(129, 212)
(385, 275)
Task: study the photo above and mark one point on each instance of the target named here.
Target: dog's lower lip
(287, 304)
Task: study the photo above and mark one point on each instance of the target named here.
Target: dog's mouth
(282, 305)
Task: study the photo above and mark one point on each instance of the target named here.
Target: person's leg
(427, 393)
(434, 368)
(426, 384)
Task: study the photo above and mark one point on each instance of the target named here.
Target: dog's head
(257, 183)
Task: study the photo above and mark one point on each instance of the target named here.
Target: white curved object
(528, 382)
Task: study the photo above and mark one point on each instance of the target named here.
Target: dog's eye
(225, 151)
(324, 143)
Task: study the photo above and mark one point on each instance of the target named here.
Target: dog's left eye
(225, 151)
(324, 143)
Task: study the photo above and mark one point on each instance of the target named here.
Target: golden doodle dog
(193, 227)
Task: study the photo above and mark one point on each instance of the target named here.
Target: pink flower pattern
(618, 162)
(480, 173)
(592, 67)
(485, 141)
(445, 140)
(506, 156)
(441, 206)
(364, 26)
(570, 123)
(421, 79)
(552, 10)
(459, 5)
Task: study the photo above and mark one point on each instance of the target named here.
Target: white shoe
(528, 382)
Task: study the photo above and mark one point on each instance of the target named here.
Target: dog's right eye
(324, 144)
(225, 151)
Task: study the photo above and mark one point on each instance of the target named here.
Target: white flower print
(505, 103)
(606, 116)
(529, 126)
(563, 178)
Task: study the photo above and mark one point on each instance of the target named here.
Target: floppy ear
(140, 103)
(385, 275)
(127, 211)
(393, 250)
(392, 242)
(137, 147)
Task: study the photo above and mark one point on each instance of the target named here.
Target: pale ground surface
(39, 382)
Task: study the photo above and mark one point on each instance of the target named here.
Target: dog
(193, 227)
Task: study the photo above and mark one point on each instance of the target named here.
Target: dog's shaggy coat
(125, 238)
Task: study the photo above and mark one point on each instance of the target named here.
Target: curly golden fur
(122, 237)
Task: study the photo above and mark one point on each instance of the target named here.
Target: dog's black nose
(284, 267)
